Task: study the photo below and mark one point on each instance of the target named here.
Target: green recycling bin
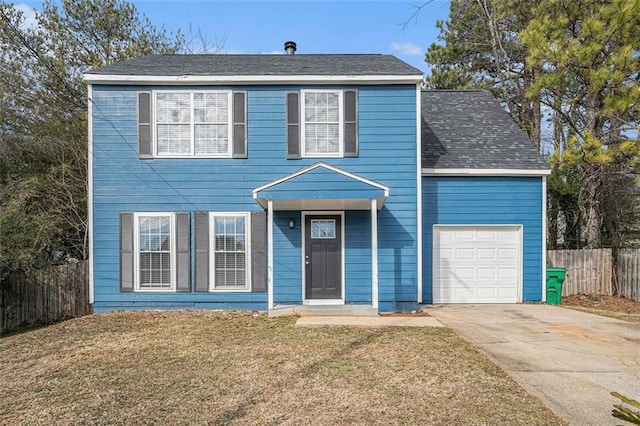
(555, 278)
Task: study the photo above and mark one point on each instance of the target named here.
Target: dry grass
(243, 368)
(608, 306)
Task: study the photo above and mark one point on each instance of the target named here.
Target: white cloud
(29, 14)
(406, 49)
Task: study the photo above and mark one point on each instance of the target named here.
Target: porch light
(292, 223)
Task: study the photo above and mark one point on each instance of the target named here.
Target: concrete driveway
(571, 360)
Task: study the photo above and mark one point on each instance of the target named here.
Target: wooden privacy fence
(44, 296)
(629, 273)
(588, 270)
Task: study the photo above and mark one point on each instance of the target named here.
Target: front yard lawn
(201, 367)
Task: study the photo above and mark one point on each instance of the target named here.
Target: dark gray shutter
(293, 125)
(258, 251)
(144, 125)
(183, 252)
(350, 123)
(239, 125)
(201, 236)
(126, 252)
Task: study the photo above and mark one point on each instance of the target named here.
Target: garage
(477, 264)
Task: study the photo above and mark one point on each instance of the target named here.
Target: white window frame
(192, 154)
(212, 252)
(332, 221)
(303, 120)
(136, 249)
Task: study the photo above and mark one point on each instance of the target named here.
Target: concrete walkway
(571, 360)
(369, 321)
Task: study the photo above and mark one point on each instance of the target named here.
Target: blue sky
(317, 26)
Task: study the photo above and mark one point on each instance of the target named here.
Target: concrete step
(325, 310)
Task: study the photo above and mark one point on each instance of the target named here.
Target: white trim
(313, 166)
(90, 190)
(303, 124)
(520, 244)
(270, 255)
(250, 79)
(136, 251)
(325, 237)
(419, 189)
(192, 123)
(212, 252)
(544, 239)
(484, 172)
(326, 166)
(343, 224)
(374, 254)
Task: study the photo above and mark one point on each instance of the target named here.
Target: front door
(323, 257)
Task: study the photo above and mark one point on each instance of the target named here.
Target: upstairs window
(193, 124)
(322, 114)
(322, 123)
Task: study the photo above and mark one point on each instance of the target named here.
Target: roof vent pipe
(290, 47)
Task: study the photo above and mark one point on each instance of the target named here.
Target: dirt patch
(605, 303)
(617, 307)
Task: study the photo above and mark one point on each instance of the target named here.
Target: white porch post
(270, 255)
(374, 253)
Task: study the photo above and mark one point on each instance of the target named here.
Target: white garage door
(477, 264)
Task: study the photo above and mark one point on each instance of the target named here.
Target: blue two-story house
(272, 182)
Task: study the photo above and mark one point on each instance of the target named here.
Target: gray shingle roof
(469, 129)
(230, 65)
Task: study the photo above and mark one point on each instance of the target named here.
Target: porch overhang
(321, 187)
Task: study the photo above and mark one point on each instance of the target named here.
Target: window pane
(322, 123)
(211, 107)
(173, 108)
(333, 109)
(333, 136)
(322, 139)
(321, 228)
(174, 139)
(212, 139)
(230, 252)
(230, 270)
(154, 251)
(192, 123)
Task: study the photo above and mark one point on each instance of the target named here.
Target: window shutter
(183, 252)
(239, 125)
(293, 125)
(202, 251)
(144, 125)
(126, 252)
(258, 251)
(350, 123)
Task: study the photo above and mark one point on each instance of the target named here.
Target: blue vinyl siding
(287, 271)
(123, 182)
(357, 246)
(486, 200)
